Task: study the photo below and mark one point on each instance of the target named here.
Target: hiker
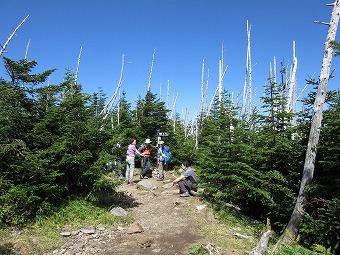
(116, 150)
(145, 148)
(130, 161)
(187, 182)
(162, 161)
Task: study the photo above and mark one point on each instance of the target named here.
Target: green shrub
(104, 190)
(323, 227)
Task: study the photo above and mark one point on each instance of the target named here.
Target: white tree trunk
(108, 106)
(292, 84)
(152, 62)
(11, 36)
(221, 75)
(78, 65)
(292, 228)
(202, 107)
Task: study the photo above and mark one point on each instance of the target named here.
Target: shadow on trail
(117, 198)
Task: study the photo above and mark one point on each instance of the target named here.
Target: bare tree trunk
(292, 85)
(11, 36)
(108, 107)
(152, 62)
(78, 64)
(167, 95)
(27, 47)
(202, 107)
(221, 75)
(292, 228)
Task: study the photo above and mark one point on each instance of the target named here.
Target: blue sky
(183, 32)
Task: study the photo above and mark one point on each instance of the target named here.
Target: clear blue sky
(184, 32)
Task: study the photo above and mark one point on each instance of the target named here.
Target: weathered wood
(78, 65)
(291, 231)
(292, 85)
(262, 246)
(152, 62)
(11, 36)
(108, 106)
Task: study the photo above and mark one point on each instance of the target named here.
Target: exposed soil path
(168, 224)
(165, 218)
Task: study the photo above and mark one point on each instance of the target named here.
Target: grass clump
(218, 227)
(44, 234)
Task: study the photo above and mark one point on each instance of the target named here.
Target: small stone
(75, 232)
(88, 231)
(135, 228)
(200, 207)
(65, 234)
(145, 243)
(118, 211)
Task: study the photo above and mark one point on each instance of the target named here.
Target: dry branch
(10, 37)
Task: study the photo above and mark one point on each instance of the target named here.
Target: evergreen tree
(19, 72)
(151, 117)
(27, 184)
(322, 221)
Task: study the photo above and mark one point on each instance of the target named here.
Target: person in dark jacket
(146, 150)
(187, 182)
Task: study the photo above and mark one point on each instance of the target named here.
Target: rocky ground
(164, 223)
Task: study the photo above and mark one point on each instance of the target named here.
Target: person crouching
(187, 182)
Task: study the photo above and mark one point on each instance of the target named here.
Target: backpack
(167, 154)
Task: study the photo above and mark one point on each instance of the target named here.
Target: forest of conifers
(55, 144)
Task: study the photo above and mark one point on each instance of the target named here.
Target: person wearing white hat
(146, 150)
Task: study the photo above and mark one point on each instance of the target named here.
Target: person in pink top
(130, 161)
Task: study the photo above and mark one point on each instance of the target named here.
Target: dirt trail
(169, 225)
(167, 220)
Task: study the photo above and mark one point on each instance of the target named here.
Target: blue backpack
(167, 153)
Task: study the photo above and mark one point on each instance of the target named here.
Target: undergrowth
(44, 234)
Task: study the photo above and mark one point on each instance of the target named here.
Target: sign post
(160, 134)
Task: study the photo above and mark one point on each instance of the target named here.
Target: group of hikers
(187, 182)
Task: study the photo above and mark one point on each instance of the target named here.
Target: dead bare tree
(291, 101)
(152, 62)
(201, 108)
(108, 107)
(78, 65)
(11, 36)
(290, 233)
(167, 94)
(27, 47)
(247, 89)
